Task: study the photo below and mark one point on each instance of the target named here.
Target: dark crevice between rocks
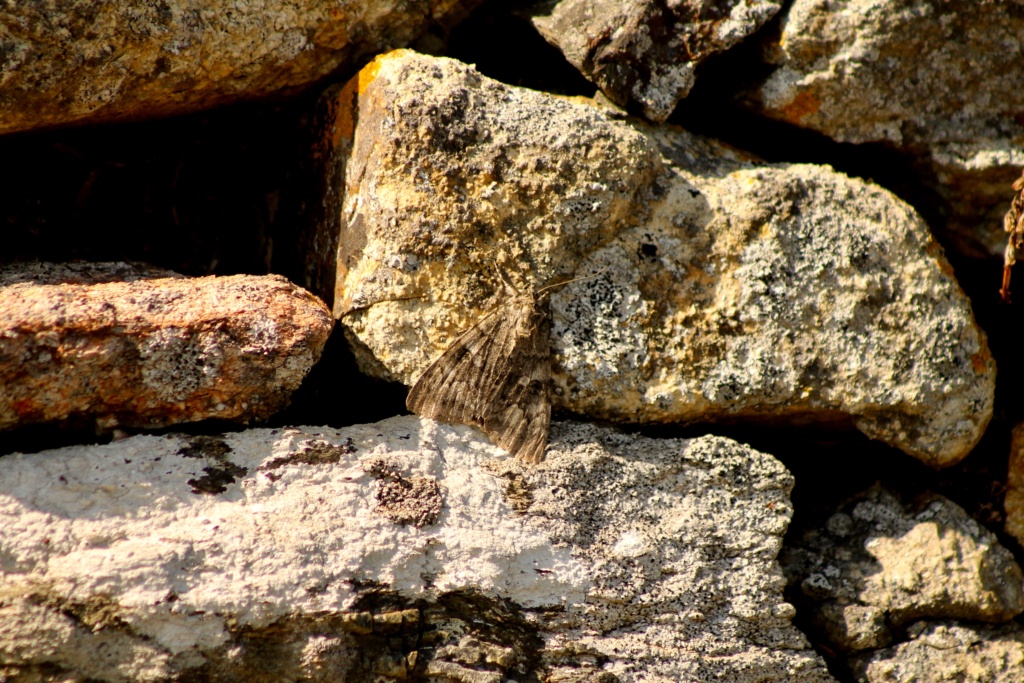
(500, 40)
(386, 637)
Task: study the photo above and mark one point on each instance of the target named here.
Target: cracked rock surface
(948, 653)
(878, 565)
(726, 288)
(124, 346)
(956, 108)
(646, 51)
(404, 548)
(67, 62)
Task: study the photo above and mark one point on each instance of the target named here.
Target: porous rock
(947, 653)
(724, 288)
(66, 62)
(123, 345)
(878, 565)
(940, 81)
(620, 558)
(647, 51)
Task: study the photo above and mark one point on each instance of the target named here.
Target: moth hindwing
(497, 377)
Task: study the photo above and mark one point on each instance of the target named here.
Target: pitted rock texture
(620, 556)
(947, 653)
(879, 565)
(122, 346)
(727, 288)
(65, 62)
(647, 51)
(940, 80)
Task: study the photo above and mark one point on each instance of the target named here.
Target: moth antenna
(505, 280)
(575, 279)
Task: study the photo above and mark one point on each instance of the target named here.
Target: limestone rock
(71, 63)
(133, 347)
(948, 653)
(732, 289)
(648, 51)
(938, 80)
(293, 553)
(879, 564)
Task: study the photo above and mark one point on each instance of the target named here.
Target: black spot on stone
(205, 447)
(310, 453)
(217, 479)
(221, 473)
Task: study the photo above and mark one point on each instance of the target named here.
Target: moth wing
(452, 385)
(520, 415)
(493, 379)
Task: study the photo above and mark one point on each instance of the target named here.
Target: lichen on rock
(728, 288)
(300, 567)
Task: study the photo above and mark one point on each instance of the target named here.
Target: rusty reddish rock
(136, 347)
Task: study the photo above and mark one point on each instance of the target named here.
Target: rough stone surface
(67, 62)
(878, 565)
(732, 289)
(124, 346)
(946, 652)
(940, 80)
(278, 553)
(1013, 503)
(647, 51)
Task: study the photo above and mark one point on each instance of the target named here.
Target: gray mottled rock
(647, 51)
(940, 80)
(879, 564)
(731, 288)
(404, 549)
(66, 62)
(947, 652)
(124, 345)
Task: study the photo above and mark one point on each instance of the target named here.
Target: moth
(496, 377)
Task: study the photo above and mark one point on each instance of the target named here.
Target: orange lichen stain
(802, 106)
(980, 362)
(28, 410)
(344, 114)
(369, 72)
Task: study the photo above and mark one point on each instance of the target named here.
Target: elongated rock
(404, 550)
(127, 347)
(66, 62)
(727, 288)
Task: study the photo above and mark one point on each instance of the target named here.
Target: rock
(879, 564)
(957, 653)
(648, 51)
(956, 108)
(731, 289)
(68, 63)
(127, 347)
(293, 553)
(1013, 503)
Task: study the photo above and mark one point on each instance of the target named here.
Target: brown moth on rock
(497, 377)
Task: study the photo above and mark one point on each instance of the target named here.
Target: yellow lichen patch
(368, 73)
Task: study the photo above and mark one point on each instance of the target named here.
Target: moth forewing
(497, 377)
